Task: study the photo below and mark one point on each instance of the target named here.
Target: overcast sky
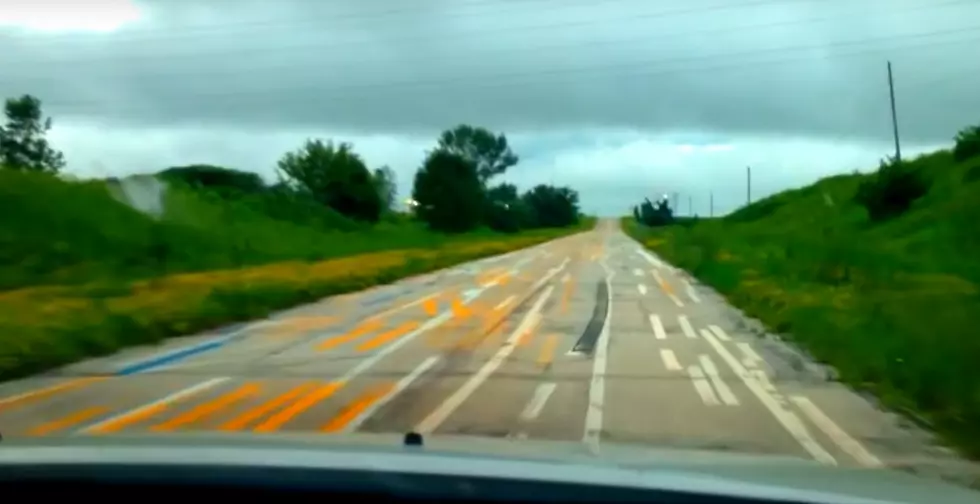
(619, 99)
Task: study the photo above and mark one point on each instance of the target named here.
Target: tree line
(454, 190)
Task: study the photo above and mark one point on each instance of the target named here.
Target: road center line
(686, 326)
(658, 327)
(670, 360)
(597, 387)
(442, 412)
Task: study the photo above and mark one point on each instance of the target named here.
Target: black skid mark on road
(586, 343)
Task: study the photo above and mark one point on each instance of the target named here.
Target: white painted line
(702, 386)
(652, 259)
(846, 443)
(686, 327)
(724, 392)
(638, 272)
(172, 398)
(400, 387)
(371, 360)
(657, 277)
(720, 333)
(442, 412)
(597, 387)
(749, 357)
(670, 360)
(658, 327)
(537, 402)
(642, 288)
(792, 423)
(691, 293)
(677, 301)
(505, 303)
(401, 307)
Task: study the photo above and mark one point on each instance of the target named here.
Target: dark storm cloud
(789, 67)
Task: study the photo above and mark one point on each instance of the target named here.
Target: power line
(306, 45)
(634, 68)
(168, 33)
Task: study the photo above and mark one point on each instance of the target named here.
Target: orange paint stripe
(132, 418)
(365, 328)
(209, 408)
(567, 295)
(431, 306)
(241, 421)
(33, 395)
(548, 350)
(387, 336)
(68, 421)
(303, 404)
(357, 407)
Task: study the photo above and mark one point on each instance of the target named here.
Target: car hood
(611, 463)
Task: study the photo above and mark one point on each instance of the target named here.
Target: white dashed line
(686, 327)
(658, 327)
(702, 387)
(724, 392)
(537, 402)
(163, 402)
(670, 360)
(749, 357)
(505, 303)
(638, 272)
(642, 288)
(720, 333)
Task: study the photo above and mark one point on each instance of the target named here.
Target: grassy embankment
(82, 274)
(893, 306)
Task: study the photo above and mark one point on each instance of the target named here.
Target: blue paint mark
(173, 356)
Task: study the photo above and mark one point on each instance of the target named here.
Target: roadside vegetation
(875, 274)
(91, 266)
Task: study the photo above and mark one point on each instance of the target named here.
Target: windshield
(728, 226)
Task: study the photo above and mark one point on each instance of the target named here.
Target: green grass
(54, 232)
(83, 274)
(893, 306)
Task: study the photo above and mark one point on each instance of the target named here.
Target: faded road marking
(658, 327)
(146, 411)
(846, 443)
(68, 421)
(538, 400)
(686, 327)
(670, 360)
(15, 400)
(726, 394)
(304, 403)
(370, 408)
(642, 288)
(719, 333)
(702, 387)
(793, 425)
(442, 412)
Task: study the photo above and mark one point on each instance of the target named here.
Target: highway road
(586, 338)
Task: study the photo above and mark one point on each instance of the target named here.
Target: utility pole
(690, 206)
(711, 204)
(891, 92)
(748, 185)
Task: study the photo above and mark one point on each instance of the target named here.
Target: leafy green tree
(384, 179)
(489, 153)
(336, 176)
(449, 193)
(552, 206)
(23, 145)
